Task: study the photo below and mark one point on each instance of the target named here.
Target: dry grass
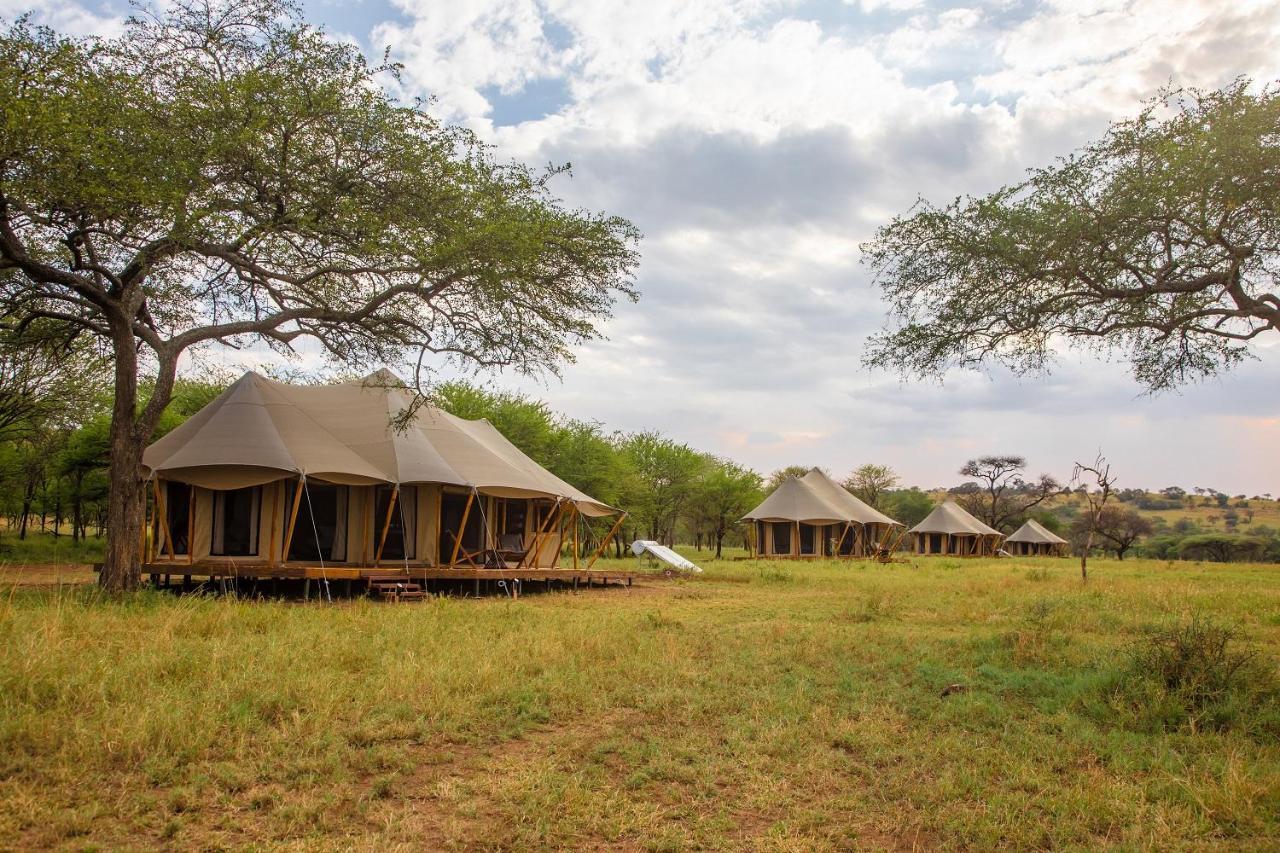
(760, 705)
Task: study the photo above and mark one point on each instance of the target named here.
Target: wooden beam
(191, 525)
(386, 525)
(293, 516)
(545, 527)
(576, 517)
(275, 501)
(840, 544)
(164, 519)
(607, 539)
(462, 529)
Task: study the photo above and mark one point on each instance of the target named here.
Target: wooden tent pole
(271, 555)
(607, 539)
(191, 525)
(843, 534)
(576, 519)
(532, 553)
(795, 544)
(146, 524)
(386, 525)
(462, 529)
(293, 515)
(164, 519)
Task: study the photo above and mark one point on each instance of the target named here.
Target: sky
(757, 143)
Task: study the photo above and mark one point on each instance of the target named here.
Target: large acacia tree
(1160, 241)
(223, 173)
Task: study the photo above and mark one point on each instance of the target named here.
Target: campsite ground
(759, 705)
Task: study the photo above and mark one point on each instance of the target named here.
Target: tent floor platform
(294, 571)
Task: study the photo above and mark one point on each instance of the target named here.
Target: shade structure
(950, 529)
(355, 473)
(1034, 539)
(814, 516)
(350, 433)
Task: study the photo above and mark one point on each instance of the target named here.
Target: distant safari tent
(1033, 539)
(333, 481)
(813, 516)
(950, 530)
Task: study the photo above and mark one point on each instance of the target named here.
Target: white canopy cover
(815, 499)
(950, 517)
(260, 430)
(1035, 533)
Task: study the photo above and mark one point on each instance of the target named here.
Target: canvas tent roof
(259, 430)
(950, 517)
(1036, 533)
(815, 499)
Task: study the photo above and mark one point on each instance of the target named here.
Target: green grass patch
(762, 704)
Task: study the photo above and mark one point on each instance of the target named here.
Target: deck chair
(512, 548)
(476, 559)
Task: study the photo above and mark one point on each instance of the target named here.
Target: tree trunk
(130, 432)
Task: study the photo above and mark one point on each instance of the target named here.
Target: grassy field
(761, 705)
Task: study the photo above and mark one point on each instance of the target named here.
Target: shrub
(1197, 675)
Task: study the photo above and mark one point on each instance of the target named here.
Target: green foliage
(909, 506)
(1159, 241)
(1222, 547)
(1196, 675)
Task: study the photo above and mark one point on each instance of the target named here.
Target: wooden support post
(164, 520)
(191, 526)
(146, 526)
(795, 542)
(607, 539)
(462, 531)
(271, 555)
(847, 526)
(550, 521)
(386, 525)
(293, 515)
(576, 515)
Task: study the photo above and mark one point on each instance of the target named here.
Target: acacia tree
(223, 173)
(1161, 241)
(1121, 527)
(1003, 494)
(1095, 498)
(871, 482)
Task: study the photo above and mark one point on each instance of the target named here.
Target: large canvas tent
(275, 473)
(949, 529)
(813, 516)
(1033, 539)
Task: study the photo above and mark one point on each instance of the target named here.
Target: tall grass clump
(1197, 675)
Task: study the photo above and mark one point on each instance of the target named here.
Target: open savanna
(760, 705)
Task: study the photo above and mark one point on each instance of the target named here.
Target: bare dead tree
(1100, 477)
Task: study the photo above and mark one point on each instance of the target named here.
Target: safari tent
(813, 516)
(949, 529)
(275, 474)
(1033, 539)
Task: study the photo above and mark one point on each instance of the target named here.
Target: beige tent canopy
(441, 484)
(949, 529)
(814, 516)
(1034, 539)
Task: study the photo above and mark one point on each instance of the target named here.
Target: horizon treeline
(53, 478)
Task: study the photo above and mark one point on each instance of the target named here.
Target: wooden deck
(221, 573)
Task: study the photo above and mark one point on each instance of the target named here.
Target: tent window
(512, 514)
(320, 532)
(452, 508)
(935, 543)
(235, 522)
(807, 539)
(399, 543)
(177, 511)
(781, 538)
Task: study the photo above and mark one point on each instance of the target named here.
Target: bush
(1196, 675)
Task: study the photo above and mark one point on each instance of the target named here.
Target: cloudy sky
(756, 143)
